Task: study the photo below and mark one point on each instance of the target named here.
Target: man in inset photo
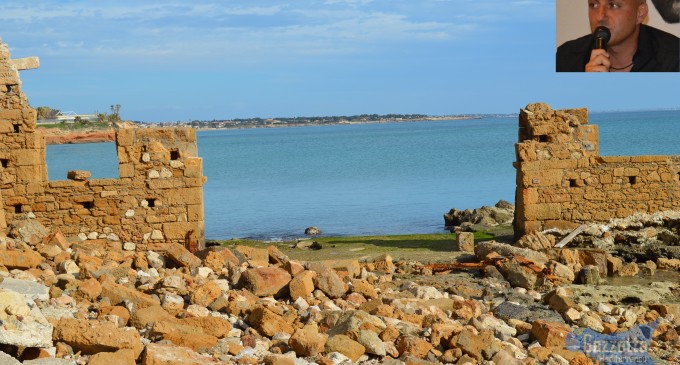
(620, 41)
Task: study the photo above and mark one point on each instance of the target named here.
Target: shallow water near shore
(372, 179)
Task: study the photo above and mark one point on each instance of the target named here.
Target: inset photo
(618, 36)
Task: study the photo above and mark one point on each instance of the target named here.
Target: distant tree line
(104, 120)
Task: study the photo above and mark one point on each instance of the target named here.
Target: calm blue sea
(389, 178)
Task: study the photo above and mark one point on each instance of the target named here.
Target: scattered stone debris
(84, 304)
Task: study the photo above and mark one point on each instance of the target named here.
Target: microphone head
(602, 36)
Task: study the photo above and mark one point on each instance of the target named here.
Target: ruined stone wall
(562, 181)
(158, 196)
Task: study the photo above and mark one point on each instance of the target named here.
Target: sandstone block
(19, 259)
(344, 268)
(253, 254)
(597, 257)
(561, 303)
(550, 334)
(120, 357)
(351, 322)
(484, 248)
(302, 285)
(384, 263)
(205, 294)
(472, 344)
(269, 323)
(118, 293)
(518, 275)
(149, 315)
(364, 288)
(328, 281)
(162, 354)
(372, 342)
(89, 289)
(346, 346)
(275, 359)
(213, 326)
(214, 261)
(413, 345)
(629, 269)
(183, 335)
(614, 264)
(589, 275)
(465, 241)
(78, 175)
(181, 256)
(118, 311)
(266, 281)
(668, 264)
(307, 341)
(442, 332)
(536, 241)
(92, 337)
(57, 238)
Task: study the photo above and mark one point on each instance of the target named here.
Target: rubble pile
(96, 300)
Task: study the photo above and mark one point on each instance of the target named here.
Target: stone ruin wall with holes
(158, 197)
(562, 181)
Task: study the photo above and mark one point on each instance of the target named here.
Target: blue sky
(179, 60)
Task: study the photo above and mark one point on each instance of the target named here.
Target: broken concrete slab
(30, 289)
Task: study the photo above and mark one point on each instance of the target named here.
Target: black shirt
(657, 51)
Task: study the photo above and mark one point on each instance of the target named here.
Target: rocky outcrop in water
(500, 214)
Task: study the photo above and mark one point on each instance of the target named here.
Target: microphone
(602, 36)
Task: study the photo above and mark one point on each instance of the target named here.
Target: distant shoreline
(312, 124)
(55, 136)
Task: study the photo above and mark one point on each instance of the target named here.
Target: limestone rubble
(246, 305)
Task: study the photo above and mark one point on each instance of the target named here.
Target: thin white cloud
(175, 31)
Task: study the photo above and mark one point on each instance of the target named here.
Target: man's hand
(599, 61)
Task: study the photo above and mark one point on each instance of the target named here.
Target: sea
(365, 179)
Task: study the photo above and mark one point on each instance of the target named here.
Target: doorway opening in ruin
(4, 162)
(100, 159)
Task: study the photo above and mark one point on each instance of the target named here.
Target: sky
(175, 60)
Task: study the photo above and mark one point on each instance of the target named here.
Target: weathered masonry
(158, 196)
(562, 180)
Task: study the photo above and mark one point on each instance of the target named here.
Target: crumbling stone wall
(158, 196)
(562, 181)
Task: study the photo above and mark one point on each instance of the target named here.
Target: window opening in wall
(152, 202)
(16, 128)
(543, 138)
(632, 179)
(4, 162)
(174, 155)
(10, 89)
(572, 183)
(87, 205)
(100, 159)
(17, 208)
